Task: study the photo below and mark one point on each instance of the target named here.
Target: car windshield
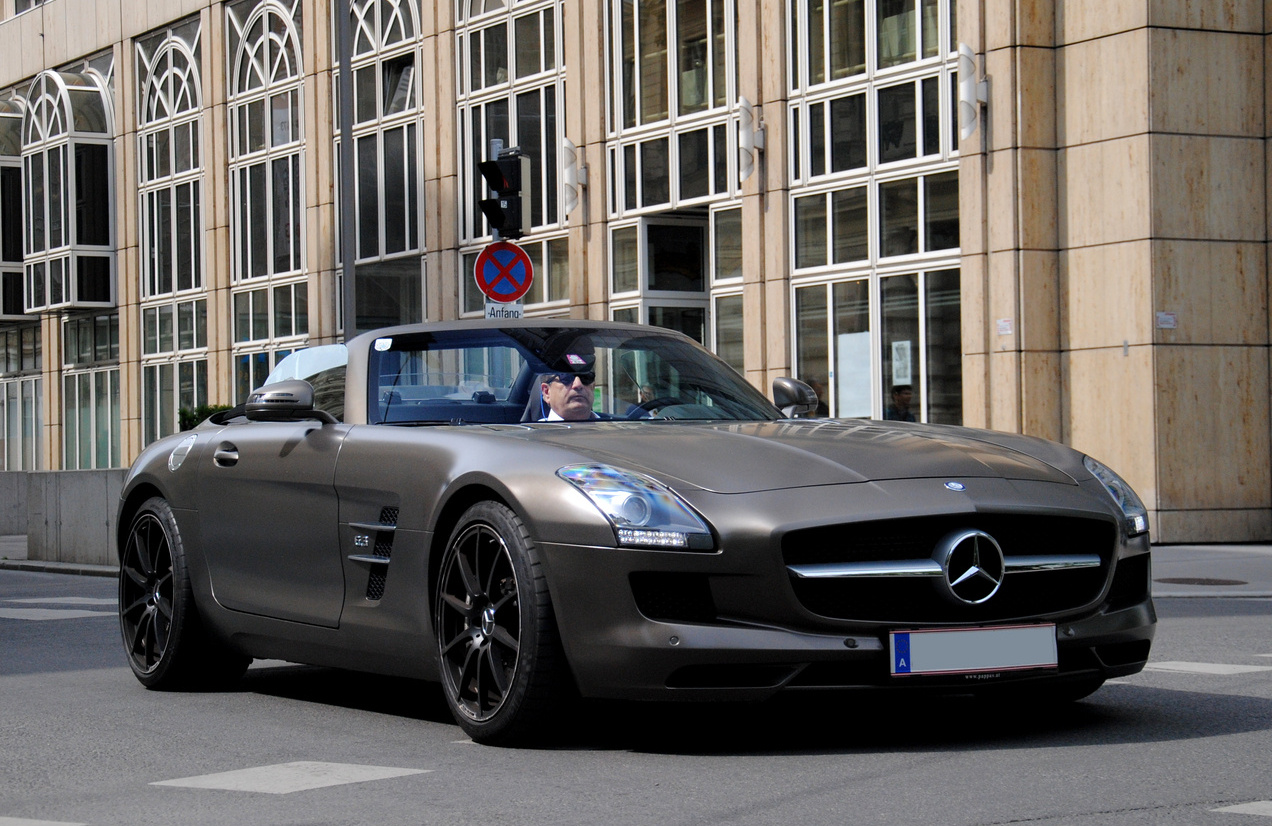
(493, 376)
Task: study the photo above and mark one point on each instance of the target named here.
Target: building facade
(783, 180)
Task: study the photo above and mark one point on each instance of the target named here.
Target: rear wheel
(166, 646)
(503, 672)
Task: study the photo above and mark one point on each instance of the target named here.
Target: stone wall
(71, 515)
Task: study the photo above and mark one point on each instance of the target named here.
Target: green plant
(189, 419)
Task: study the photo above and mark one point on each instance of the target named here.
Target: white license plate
(971, 650)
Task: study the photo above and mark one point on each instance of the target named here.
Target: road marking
(286, 778)
(1259, 807)
(67, 600)
(1206, 668)
(50, 614)
(21, 821)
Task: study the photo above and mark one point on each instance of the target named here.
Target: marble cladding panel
(1042, 394)
(1206, 83)
(1039, 322)
(1104, 192)
(1036, 97)
(1211, 407)
(1208, 188)
(1109, 412)
(976, 328)
(1196, 526)
(1036, 176)
(971, 203)
(1004, 302)
(1004, 391)
(976, 390)
(1210, 292)
(1100, 88)
(1106, 294)
(1216, 15)
(1002, 212)
(1079, 20)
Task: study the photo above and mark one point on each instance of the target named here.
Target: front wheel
(167, 647)
(503, 671)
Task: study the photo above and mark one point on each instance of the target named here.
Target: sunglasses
(568, 378)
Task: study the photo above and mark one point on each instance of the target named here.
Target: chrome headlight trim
(1136, 515)
(643, 512)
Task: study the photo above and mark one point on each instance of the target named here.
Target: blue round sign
(503, 272)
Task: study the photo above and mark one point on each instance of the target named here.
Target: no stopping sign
(503, 272)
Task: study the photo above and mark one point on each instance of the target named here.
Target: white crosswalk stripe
(1259, 807)
(37, 614)
(81, 611)
(285, 778)
(1206, 668)
(22, 821)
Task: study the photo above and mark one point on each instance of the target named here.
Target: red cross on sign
(503, 272)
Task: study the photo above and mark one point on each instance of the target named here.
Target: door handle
(226, 455)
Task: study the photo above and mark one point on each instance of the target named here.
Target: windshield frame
(614, 352)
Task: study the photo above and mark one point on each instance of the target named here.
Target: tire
(503, 670)
(166, 645)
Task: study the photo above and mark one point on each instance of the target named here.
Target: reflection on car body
(395, 505)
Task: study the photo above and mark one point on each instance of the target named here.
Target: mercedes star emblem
(972, 566)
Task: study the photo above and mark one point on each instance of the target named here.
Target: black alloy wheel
(160, 625)
(497, 643)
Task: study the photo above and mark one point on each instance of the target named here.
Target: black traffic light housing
(508, 177)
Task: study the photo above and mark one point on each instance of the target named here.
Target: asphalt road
(1182, 743)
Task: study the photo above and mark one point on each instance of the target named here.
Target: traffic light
(508, 212)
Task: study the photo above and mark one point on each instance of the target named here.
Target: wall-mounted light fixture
(573, 174)
(972, 93)
(750, 139)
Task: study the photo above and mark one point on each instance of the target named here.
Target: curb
(76, 568)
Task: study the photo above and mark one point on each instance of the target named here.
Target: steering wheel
(644, 407)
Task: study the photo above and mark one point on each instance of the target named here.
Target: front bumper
(634, 626)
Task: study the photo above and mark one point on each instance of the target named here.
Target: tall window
(11, 223)
(510, 89)
(874, 204)
(270, 292)
(20, 396)
(90, 392)
(671, 139)
(170, 185)
(387, 130)
(68, 173)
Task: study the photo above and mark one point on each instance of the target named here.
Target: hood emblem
(956, 486)
(971, 565)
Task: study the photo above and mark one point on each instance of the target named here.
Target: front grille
(919, 600)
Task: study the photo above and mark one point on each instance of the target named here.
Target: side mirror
(284, 401)
(793, 397)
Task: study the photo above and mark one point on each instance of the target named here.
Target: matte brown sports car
(397, 506)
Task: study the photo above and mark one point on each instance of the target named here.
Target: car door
(269, 517)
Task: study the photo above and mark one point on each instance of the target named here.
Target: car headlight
(1132, 508)
(644, 512)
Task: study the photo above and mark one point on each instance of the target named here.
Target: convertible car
(397, 505)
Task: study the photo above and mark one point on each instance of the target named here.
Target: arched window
(270, 289)
(387, 133)
(68, 166)
(170, 186)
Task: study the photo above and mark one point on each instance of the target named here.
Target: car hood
(744, 457)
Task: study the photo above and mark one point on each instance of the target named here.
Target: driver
(568, 396)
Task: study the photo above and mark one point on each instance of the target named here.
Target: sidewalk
(13, 557)
(1178, 570)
